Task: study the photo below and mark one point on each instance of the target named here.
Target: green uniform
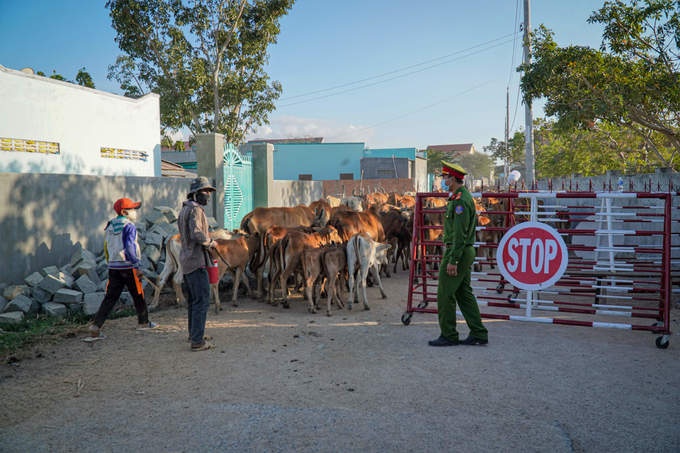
(459, 238)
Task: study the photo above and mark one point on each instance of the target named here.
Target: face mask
(202, 198)
(132, 215)
(445, 187)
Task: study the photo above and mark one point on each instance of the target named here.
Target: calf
(288, 257)
(173, 267)
(312, 270)
(334, 262)
(364, 255)
(232, 255)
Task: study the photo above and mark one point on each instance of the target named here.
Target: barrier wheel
(499, 288)
(423, 304)
(662, 342)
(406, 318)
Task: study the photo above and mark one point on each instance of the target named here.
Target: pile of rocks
(80, 285)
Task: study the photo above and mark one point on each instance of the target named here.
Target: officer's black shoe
(443, 341)
(470, 340)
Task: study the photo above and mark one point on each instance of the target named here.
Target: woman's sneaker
(148, 326)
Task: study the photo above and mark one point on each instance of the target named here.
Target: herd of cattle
(330, 245)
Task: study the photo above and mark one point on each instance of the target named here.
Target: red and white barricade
(585, 257)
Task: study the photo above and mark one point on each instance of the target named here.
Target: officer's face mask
(202, 197)
(445, 187)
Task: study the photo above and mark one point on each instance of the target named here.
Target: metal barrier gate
(238, 186)
(619, 264)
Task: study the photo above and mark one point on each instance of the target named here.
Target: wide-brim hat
(454, 170)
(125, 203)
(201, 183)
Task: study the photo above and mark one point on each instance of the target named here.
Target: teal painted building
(317, 161)
(406, 153)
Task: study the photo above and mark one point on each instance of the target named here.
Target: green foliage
(56, 76)
(478, 165)
(514, 152)
(83, 78)
(205, 58)
(632, 81)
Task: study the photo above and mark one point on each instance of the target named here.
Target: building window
(117, 153)
(28, 146)
(304, 177)
(347, 176)
(386, 173)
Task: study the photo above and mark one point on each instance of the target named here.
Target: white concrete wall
(82, 121)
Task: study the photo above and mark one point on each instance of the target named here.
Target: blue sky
(390, 73)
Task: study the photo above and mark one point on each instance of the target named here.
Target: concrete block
(154, 216)
(13, 317)
(40, 295)
(65, 274)
(13, 291)
(80, 255)
(92, 301)
(55, 309)
(84, 268)
(155, 238)
(49, 270)
(51, 283)
(34, 279)
(21, 303)
(169, 212)
(153, 253)
(85, 285)
(126, 298)
(68, 296)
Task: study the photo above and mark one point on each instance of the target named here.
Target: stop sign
(532, 255)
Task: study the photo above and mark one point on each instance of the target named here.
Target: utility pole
(528, 114)
(506, 164)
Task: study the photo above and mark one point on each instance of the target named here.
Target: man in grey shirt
(194, 256)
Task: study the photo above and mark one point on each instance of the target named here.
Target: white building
(50, 126)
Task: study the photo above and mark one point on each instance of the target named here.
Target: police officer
(454, 272)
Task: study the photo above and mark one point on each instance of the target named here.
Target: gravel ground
(289, 381)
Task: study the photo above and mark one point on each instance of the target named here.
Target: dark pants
(119, 279)
(197, 289)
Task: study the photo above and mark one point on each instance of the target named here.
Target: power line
(441, 101)
(488, 45)
(513, 67)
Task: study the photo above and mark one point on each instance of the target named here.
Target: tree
(206, 60)
(478, 165)
(633, 81)
(83, 78)
(593, 151)
(514, 152)
(56, 76)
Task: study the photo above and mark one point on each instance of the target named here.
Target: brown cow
(348, 223)
(260, 219)
(289, 255)
(398, 228)
(232, 255)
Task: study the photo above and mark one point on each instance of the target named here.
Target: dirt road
(288, 381)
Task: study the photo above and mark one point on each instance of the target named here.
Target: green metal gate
(238, 186)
